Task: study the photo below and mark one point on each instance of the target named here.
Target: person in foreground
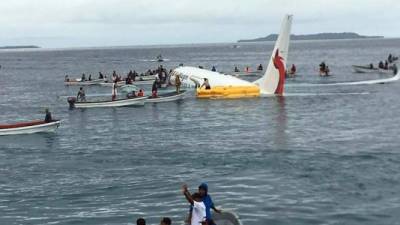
(48, 117)
(198, 209)
(165, 221)
(209, 204)
(140, 221)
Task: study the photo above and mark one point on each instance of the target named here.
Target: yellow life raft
(229, 92)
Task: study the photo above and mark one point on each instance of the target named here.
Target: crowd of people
(200, 208)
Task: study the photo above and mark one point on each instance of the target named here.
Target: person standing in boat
(198, 208)
(206, 84)
(48, 117)
(178, 84)
(81, 95)
(83, 78)
(90, 77)
(154, 89)
(386, 65)
(114, 92)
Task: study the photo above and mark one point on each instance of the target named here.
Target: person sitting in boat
(48, 117)
(90, 77)
(83, 78)
(395, 69)
(371, 66)
(140, 221)
(390, 58)
(101, 75)
(260, 67)
(81, 95)
(386, 65)
(236, 69)
(198, 208)
(140, 93)
(66, 78)
(206, 84)
(178, 83)
(128, 80)
(213, 69)
(380, 65)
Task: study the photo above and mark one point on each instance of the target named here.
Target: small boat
(167, 97)
(78, 82)
(138, 101)
(31, 127)
(364, 69)
(226, 218)
(160, 58)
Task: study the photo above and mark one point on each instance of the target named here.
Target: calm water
(322, 156)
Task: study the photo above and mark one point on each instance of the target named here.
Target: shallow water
(326, 155)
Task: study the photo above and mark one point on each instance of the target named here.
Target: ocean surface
(321, 155)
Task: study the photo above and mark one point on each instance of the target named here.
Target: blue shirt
(209, 204)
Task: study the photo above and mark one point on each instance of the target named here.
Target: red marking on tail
(280, 66)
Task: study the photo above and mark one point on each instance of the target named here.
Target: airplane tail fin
(273, 80)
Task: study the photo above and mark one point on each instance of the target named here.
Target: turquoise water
(326, 155)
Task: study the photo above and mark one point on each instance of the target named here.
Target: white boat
(138, 101)
(37, 126)
(110, 84)
(364, 69)
(145, 78)
(226, 218)
(78, 82)
(167, 97)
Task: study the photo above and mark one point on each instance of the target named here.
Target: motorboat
(36, 126)
(167, 97)
(364, 69)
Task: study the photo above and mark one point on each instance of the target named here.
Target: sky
(96, 23)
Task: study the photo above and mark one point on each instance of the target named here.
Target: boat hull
(33, 127)
(83, 83)
(226, 218)
(167, 98)
(118, 103)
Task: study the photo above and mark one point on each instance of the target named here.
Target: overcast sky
(76, 23)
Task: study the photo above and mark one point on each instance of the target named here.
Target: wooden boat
(138, 101)
(167, 97)
(37, 126)
(78, 82)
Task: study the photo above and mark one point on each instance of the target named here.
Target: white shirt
(198, 213)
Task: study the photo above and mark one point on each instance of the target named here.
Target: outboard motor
(71, 101)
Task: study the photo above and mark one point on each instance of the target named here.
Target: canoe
(138, 101)
(167, 97)
(226, 218)
(83, 83)
(37, 126)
